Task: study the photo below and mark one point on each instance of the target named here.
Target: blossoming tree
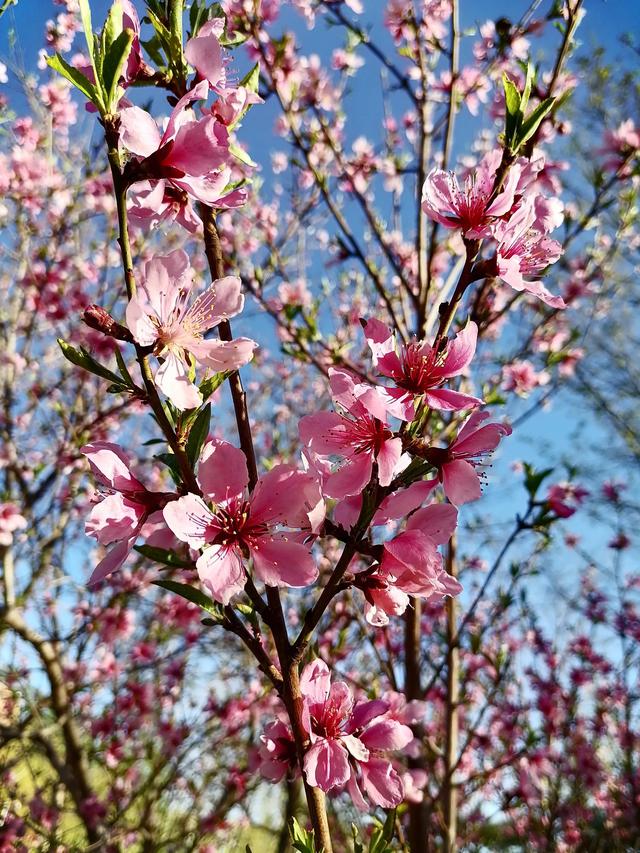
(308, 537)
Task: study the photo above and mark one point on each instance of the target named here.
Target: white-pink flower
(270, 526)
(123, 508)
(472, 207)
(350, 740)
(159, 317)
(523, 251)
(190, 159)
(360, 436)
(11, 520)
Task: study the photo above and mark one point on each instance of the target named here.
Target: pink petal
(110, 466)
(355, 747)
(112, 561)
(460, 481)
(388, 460)
(224, 355)
(315, 680)
(351, 478)
(446, 400)
(386, 734)
(177, 117)
(166, 277)
(205, 54)
(401, 503)
(324, 432)
(437, 521)
(222, 472)
(380, 339)
(199, 147)
(191, 520)
(114, 518)
(139, 322)
(382, 784)
(460, 352)
(285, 495)
(365, 712)
(139, 133)
(279, 561)
(222, 572)
(172, 378)
(326, 765)
(347, 512)
(222, 300)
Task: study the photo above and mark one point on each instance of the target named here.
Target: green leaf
(196, 596)
(171, 462)
(122, 367)
(251, 80)
(513, 115)
(74, 76)
(528, 83)
(81, 358)
(382, 835)
(533, 479)
(85, 16)
(198, 434)
(208, 386)
(114, 62)
(241, 155)
(357, 844)
(301, 840)
(162, 555)
(94, 53)
(511, 95)
(533, 121)
(112, 27)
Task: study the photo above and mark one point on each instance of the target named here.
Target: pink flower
(190, 159)
(269, 526)
(204, 52)
(523, 251)
(471, 207)
(411, 565)
(522, 377)
(620, 144)
(158, 316)
(10, 520)
(360, 436)
(419, 370)
(457, 464)
(349, 739)
(565, 498)
(277, 753)
(120, 514)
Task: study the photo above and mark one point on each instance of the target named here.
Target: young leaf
(382, 835)
(74, 76)
(122, 367)
(81, 358)
(208, 386)
(301, 840)
(196, 596)
(513, 115)
(112, 27)
(162, 555)
(533, 121)
(241, 155)
(114, 62)
(198, 434)
(528, 83)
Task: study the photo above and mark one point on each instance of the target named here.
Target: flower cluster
(349, 741)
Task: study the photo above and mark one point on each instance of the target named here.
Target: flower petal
(222, 472)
